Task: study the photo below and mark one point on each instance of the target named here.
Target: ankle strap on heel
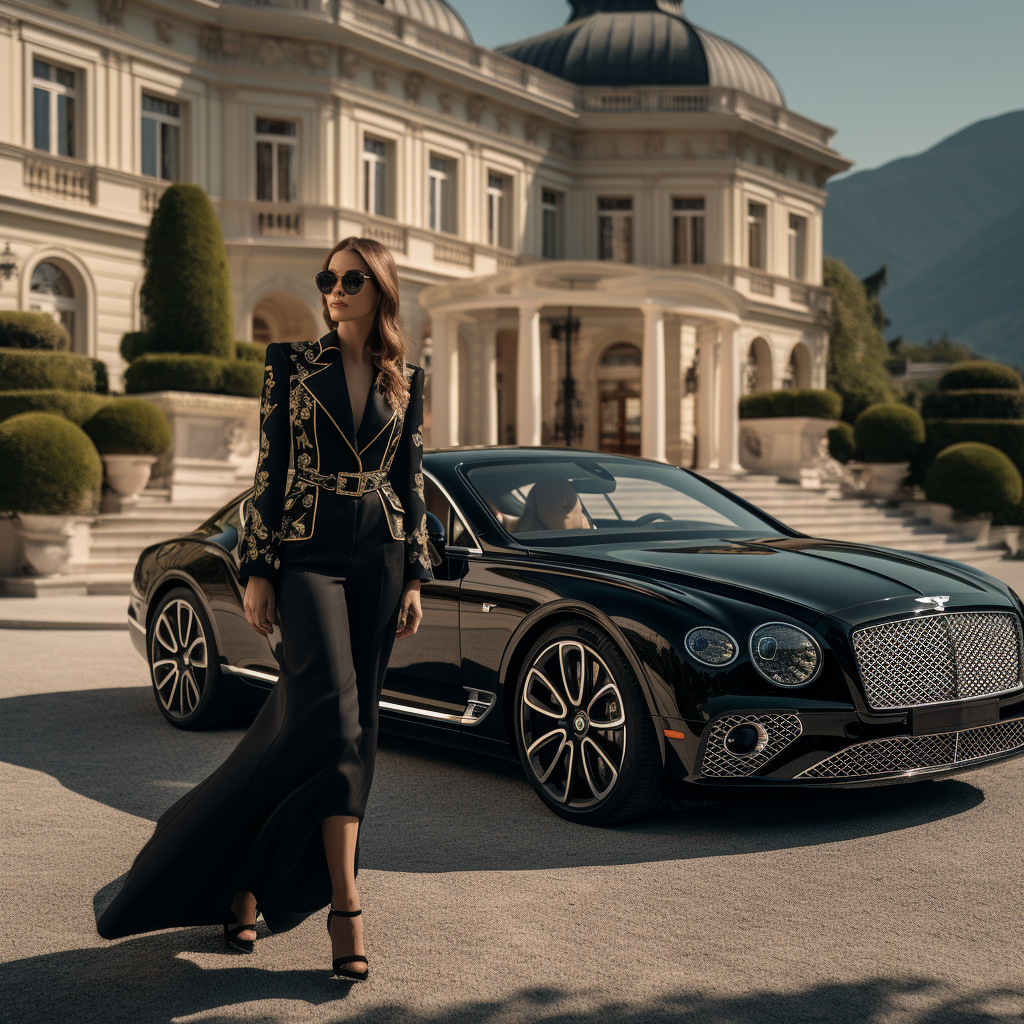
(345, 913)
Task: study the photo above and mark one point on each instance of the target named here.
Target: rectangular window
(757, 235)
(161, 131)
(687, 231)
(275, 161)
(498, 188)
(441, 195)
(797, 246)
(53, 108)
(375, 176)
(615, 230)
(551, 211)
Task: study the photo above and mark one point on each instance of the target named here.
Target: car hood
(853, 582)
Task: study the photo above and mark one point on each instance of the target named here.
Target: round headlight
(711, 646)
(785, 655)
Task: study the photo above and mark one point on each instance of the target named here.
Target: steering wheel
(651, 517)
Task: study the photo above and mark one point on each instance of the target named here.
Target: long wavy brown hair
(387, 343)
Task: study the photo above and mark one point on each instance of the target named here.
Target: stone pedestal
(215, 444)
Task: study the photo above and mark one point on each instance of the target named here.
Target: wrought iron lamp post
(569, 419)
(8, 263)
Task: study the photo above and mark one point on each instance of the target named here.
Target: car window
(227, 525)
(455, 530)
(546, 498)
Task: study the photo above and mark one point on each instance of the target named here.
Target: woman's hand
(260, 605)
(410, 613)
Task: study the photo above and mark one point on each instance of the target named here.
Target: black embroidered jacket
(306, 417)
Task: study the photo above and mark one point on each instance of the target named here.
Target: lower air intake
(776, 731)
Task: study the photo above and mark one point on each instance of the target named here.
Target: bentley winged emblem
(938, 603)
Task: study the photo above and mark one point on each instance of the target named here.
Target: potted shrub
(969, 482)
(887, 435)
(129, 434)
(782, 432)
(52, 477)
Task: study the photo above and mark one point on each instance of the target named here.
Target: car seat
(552, 504)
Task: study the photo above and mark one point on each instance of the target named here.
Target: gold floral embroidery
(417, 438)
(418, 544)
(417, 482)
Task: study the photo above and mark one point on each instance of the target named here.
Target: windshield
(593, 498)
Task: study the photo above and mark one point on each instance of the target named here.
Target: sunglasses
(351, 281)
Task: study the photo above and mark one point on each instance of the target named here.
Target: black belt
(352, 484)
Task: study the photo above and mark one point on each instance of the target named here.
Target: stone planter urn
(883, 479)
(782, 445)
(127, 475)
(46, 541)
(1006, 535)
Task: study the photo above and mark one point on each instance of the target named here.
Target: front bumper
(795, 754)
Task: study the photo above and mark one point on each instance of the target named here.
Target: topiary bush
(251, 350)
(840, 442)
(186, 290)
(174, 371)
(980, 373)
(76, 406)
(974, 478)
(802, 402)
(50, 466)
(974, 403)
(888, 432)
(99, 372)
(65, 371)
(32, 330)
(133, 345)
(129, 426)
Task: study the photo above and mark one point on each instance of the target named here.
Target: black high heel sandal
(339, 970)
(232, 940)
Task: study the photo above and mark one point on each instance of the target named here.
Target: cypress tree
(186, 290)
(856, 348)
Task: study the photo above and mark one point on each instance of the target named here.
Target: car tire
(184, 666)
(584, 773)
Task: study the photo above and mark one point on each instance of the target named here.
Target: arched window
(618, 374)
(261, 332)
(51, 291)
(798, 372)
(758, 370)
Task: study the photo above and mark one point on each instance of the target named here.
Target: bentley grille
(931, 659)
(895, 755)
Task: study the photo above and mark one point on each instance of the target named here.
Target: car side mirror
(435, 539)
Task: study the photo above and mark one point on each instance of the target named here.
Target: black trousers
(254, 824)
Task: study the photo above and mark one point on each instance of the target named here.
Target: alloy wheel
(573, 725)
(178, 655)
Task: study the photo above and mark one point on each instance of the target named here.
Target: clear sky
(893, 76)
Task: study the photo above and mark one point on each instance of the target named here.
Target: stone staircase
(821, 512)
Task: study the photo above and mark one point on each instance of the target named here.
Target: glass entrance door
(620, 417)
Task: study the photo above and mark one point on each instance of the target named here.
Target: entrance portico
(682, 329)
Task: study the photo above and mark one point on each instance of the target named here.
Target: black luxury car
(632, 633)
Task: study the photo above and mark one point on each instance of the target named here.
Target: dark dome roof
(642, 42)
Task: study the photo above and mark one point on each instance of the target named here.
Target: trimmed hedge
(175, 371)
(1006, 435)
(251, 350)
(32, 330)
(841, 442)
(129, 426)
(974, 403)
(888, 432)
(186, 290)
(974, 478)
(66, 371)
(76, 406)
(50, 466)
(133, 345)
(803, 402)
(979, 373)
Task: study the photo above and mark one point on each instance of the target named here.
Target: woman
(336, 560)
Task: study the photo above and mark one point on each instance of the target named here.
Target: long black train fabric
(254, 824)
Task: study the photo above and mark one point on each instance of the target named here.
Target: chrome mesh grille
(721, 763)
(935, 658)
(896, 754)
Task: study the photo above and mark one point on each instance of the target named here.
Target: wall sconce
(8, 263)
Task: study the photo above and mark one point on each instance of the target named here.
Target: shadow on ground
(437, 809)
(143, 981)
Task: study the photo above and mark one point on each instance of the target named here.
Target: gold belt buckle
(360, 484)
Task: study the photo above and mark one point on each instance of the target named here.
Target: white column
(729, 400)
(487, 339)
(444, 384)
(652, 385)
(707, 452)
(528, 377)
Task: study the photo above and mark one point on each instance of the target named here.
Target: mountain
(949, 223)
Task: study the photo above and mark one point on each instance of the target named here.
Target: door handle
(488, 605)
